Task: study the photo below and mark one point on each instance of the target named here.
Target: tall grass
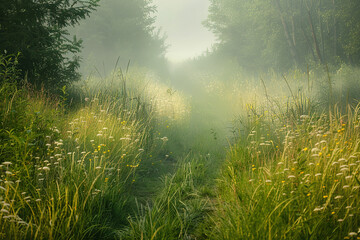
(87, 164)
(68, 174)
(293, 174)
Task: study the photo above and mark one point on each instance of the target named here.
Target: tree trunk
(293, 30)
(287, 35)
(309, 43)
(335, 30)
(314, 35)
(321, 33)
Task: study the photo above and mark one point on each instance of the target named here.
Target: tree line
(282, 34)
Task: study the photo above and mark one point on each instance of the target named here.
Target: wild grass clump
(68, 174)
(295, 178)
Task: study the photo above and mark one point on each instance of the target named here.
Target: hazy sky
(181, 20)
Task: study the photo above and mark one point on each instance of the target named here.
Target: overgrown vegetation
(220, 154)
(119, 164)
(291, 175)
(69, 175)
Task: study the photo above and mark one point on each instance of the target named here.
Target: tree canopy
(38, 30)
(122, 29)
(281, 34)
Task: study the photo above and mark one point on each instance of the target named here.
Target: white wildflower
(3, 210)
(164, 139)
(315, 150)
(317, 209)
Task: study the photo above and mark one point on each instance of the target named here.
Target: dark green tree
(37, 29)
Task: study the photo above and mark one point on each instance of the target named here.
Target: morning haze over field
(206, 119)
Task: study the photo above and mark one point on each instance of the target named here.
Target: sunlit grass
(71, 173)
(295, 178)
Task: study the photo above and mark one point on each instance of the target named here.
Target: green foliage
(68, 175)
(281, 34)
(38, 29)
(8, 68)
(122, 29)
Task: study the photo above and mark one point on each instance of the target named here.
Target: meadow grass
(128, 157)
(293, 173)
(68, 173)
